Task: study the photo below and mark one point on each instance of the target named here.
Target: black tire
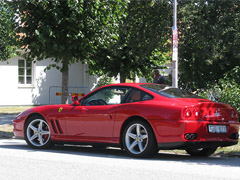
(201, 152)
(37, 133)
(139, 140)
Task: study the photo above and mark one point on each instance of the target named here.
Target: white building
(26, 83)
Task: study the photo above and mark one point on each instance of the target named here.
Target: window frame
(162, 92)
(82, 101)
(25, 75)
(128, 97)
(125, 99)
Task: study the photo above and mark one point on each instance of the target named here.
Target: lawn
(13, 109)
(6, 131)
(231, 151)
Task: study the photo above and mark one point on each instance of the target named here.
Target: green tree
(141, 41)
(7, 33)
(65, 31)
(209, 41)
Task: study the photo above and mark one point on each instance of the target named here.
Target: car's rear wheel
(139, 140)
(37, 133)
(201, 151)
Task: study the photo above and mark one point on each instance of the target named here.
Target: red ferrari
(139, 118)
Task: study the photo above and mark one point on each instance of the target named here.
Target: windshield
(169, 92)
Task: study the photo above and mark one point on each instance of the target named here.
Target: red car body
(176, 123)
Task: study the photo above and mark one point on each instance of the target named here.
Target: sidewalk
(7, 118)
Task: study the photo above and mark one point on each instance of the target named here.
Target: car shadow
(117, 153)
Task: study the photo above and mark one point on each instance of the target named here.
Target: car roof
(128, 84)
(133, 85)
(136, 85)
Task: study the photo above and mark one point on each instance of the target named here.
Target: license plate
(217, 128)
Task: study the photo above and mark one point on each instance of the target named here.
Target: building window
(25, 74)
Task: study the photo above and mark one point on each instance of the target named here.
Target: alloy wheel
(136, 138)
(38, 133)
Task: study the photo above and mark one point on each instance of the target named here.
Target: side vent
(53, 126)
(59, 127)
(56, 127)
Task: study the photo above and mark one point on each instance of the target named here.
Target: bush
(227, 90)
(229, 93)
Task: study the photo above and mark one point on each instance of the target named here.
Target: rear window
(169, 92)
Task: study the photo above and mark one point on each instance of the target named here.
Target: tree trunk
(64, 71)
(122, 78)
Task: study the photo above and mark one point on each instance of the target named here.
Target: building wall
(12, 93)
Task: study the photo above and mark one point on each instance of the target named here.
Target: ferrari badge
(60, 109)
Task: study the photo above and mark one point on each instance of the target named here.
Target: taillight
(234, 114)
(237, 115)
(193, 113)
(196, 113)
(187, 113)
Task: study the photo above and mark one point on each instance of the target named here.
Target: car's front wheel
(139, 140)
(201, 151)
(37, 133)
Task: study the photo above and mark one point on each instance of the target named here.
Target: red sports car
(140, 118)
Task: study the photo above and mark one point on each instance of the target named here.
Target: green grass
(230, 151)
(13, 109)
(6, 131)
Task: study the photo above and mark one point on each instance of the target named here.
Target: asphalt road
(18, 161)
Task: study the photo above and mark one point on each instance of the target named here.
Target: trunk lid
(210, 111)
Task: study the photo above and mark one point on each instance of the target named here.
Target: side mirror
(75, 100)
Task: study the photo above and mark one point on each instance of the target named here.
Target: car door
(96, 114)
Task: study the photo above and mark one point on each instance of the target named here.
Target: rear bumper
(187, 145)
(173, 132)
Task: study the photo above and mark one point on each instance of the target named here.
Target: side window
(106, 96)
(138, 95)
